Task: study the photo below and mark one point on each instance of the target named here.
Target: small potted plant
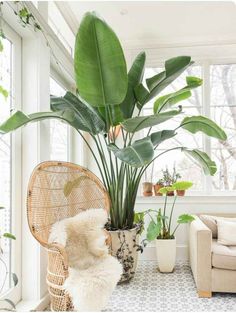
(159, 184)
(181, 187)
(147, 189)
(169, 179)
(160, 230)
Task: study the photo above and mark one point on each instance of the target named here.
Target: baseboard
(149, 253)
(37, 305)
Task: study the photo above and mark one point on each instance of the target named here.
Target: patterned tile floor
(152, 291)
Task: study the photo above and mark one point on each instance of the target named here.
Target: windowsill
(34, 305)
(227, 197)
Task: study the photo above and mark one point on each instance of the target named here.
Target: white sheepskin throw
(93, 273)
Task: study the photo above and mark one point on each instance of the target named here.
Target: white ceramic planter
(124, 246)
(166, 254)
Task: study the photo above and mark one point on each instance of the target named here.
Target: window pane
(59, 131)
(188, 169)
(60, 27)
(225, 178)
(223, 111)
(5, 163)
(192, 106)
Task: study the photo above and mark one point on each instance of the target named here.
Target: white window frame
(14, 294)
(55, 76)
(205, 63)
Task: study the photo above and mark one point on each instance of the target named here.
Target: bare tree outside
(222, 110)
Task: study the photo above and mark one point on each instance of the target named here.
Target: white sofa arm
(200, 240)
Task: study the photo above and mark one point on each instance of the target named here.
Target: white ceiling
(163, 22)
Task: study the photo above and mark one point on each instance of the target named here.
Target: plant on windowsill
(108, 98)
(170, 178)
(160, 229)
(157, 186)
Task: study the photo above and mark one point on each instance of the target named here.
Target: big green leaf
(182, 185)
(203, 124)
(135, 77)
(208, 166)
(167, 101)
(100, 67)
(86, 116)
(138, 154)
(20, 119)
(160, 136)
(112, 115)
(173, 68)
(153, 231)
(185, 218)
(134, 124)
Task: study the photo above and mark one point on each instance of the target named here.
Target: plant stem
(171, 213)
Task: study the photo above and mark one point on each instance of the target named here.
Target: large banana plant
(108, 97)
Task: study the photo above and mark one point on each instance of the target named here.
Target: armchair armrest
(200, 240)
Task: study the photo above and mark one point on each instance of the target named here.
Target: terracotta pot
(166, 254)
(180, 193)
(124, 246)
(170, 193)
(156, 188)
(147, 189)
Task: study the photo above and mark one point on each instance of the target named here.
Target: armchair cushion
(226, 233)
(223, 257)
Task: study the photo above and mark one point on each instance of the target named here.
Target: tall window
(59, 131)
(5, 159)
(10, 187)
(218, 103)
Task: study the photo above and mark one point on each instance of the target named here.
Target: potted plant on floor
(160, 230)
(107, 96)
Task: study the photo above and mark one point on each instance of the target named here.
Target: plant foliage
(108, 96)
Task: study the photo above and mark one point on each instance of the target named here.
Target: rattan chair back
(58, 190)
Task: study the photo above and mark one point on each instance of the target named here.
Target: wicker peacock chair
(59, 190)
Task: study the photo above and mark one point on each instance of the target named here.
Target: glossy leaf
(208, 166)
(100, 67)
(135, 77)
(86, 116)
(20, 119)
(160, 136)
(138, 154)
(203, 124)
(182, 185)
(185, 218)
(165, 190)
(9, 236)
(140, 122)
(112, 115)
(173, 68)
(167, 101)
(153, 231)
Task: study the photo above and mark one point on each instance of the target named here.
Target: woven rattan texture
(59, 190)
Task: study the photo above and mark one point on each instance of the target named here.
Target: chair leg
(204, 294)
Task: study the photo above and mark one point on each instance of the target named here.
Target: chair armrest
(200, 240)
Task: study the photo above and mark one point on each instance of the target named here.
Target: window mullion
(207, 112)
